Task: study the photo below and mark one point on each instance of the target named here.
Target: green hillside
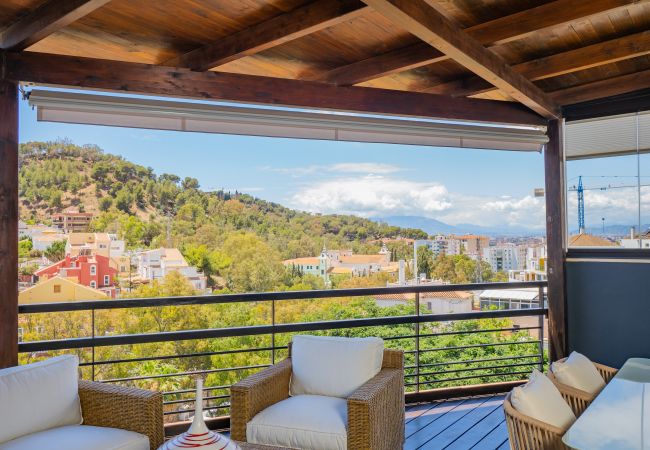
(215, 230)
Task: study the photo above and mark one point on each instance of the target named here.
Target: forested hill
(151, 210)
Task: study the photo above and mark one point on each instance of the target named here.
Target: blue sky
(453, 185)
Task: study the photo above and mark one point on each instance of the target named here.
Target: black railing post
(540, 319)
(273, 331)
(417, 343)
(92, 331)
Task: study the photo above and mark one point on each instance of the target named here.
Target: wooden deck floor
(470, 423)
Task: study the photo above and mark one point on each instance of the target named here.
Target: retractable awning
(608, 136)
(79, 108)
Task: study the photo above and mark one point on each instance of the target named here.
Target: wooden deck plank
(471, 420)
(442, 422)
(430, 416)
(479, 430)
(416, 410)
(504, 446)
(494, 439)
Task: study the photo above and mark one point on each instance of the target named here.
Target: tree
(24, 248)
(56, 251)
(255, 266)
(190, 183)
(209, 262)
(105, 203)
(425, 261)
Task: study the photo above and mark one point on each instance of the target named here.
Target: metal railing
(422, 371)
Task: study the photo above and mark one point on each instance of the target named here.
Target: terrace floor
(460, 424)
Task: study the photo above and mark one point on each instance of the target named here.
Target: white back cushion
(541, 400)
(333, 366)
(39, 396)
(579, 372)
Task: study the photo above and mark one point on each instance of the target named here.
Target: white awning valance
(67, 107)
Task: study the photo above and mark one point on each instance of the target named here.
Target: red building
(93, 271)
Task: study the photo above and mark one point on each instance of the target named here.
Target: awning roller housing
(68, 107)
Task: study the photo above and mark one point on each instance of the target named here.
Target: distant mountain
(433, 226)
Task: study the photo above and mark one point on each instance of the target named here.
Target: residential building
(431, 302)
(473, 244)
(59, 289)
(103, 244)
(93, 271)
(633, 240)
(72, 220)
(156, 264)
(589, 240)
(524, 298)
(502, 257)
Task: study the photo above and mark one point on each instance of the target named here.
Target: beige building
(59, 289)
(103, 244)
(72, 220)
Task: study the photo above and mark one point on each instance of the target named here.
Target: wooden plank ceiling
(541, 53)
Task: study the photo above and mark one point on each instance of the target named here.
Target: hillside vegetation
(231, 234)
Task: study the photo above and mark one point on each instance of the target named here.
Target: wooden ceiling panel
(160, 29)
(13, 10)
(344, 43)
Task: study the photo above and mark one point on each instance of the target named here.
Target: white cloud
(377, 196)
(360, 168)
(373, 195)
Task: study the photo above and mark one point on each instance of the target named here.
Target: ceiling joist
(45, 20)
(582, 58)
(70, 71)
(497, 31)
(608, 87)
(300, 22)
(423, 21)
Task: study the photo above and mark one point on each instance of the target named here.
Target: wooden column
(555, 240)
(8, 224)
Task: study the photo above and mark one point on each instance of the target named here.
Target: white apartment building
(103, 244)
(502, 257)
(156, 264)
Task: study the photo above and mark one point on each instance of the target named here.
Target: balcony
(448, 356)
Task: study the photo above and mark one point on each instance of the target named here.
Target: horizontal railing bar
(205, 408)
(469, 361)
(266, 296)
(489, 344)
(469, 378)
(184, 355)
(99, 341)
(208, 388)
(453, 333)
(473, 369)
(193, 399)
(183, 374)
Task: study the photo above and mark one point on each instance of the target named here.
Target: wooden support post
(555, 239)
(8, 224)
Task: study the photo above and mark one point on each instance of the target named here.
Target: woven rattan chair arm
(110, 405)
(255, 393)
(376, 412)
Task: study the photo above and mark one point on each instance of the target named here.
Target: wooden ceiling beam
(45, 20)
(582, 58)
(504, 29)
(608, 87)
(98, 74)
(273, 32)
(423, 21)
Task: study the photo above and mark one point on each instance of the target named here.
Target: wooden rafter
(490, 33)
(621, 84)
(45, 20)
(420, 19)
(278, 30)
(570, 61)
(177, 82)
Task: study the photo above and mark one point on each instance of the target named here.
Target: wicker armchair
(526, 433)
(108, 405)
(576, 398)
(375, 410)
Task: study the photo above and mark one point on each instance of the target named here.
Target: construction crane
(580, 190)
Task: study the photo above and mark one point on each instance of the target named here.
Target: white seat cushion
(37, 397)
(579, 372)
(80, 437)
(541, 400)
(310, 422)
(333, 366)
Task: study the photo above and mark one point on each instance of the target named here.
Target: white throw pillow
(579, 372)
(37, 397)
(541, 400)
(333, 366)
